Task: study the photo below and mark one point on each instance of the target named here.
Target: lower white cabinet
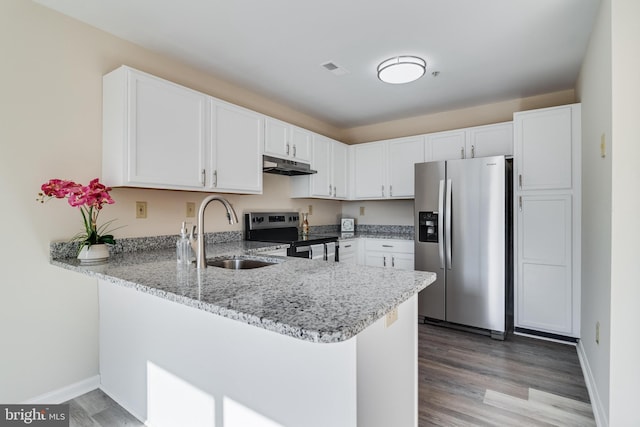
(389, 253)
(348, 251)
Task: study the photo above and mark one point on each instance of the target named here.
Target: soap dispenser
(183, 246)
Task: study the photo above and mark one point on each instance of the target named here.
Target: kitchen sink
(237, 263)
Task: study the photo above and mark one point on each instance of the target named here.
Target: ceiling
(484, 50)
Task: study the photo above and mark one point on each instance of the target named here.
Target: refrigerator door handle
(447, 225)
(441, 224)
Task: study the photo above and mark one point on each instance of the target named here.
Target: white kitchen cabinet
(447, 145)
(369, 171)
(403, 154)
(547, 220)
(384, 169)
(479, 141)
(545, 145)
(286, 141)
(348, 252)
(329, 159)
(237, 135)
(154, 132)
(157, 134)
(389, 253)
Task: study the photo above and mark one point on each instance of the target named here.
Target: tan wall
(455, 119)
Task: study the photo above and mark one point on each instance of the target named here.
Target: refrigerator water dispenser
(428, 227)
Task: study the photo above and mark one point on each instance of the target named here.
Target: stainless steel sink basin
(238, 263)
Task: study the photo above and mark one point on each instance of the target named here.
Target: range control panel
(263, 220)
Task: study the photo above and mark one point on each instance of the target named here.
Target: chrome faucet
(201, 256)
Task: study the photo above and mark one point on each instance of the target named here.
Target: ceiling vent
(335, 68)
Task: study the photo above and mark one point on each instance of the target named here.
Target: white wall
(625, 233)
(378, 212)
(594, 91)
(609, 90)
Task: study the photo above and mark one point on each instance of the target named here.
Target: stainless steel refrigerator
(462, 218)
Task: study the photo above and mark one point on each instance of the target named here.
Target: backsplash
(387, 229)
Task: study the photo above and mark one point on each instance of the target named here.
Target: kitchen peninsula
(298, 342)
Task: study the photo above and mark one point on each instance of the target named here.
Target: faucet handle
(192, 233)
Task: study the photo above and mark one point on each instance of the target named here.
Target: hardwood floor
(464, 380)
(471, 380)
(96, 409)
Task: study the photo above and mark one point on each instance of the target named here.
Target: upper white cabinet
(547, 220)
(479, 141)
(154, 132)
(157, 134)
(403, 154)
(544, 144)
(329, 159)
(236, 149)
(446, 145)
(384, 169)
(369, 170)
(287, 141)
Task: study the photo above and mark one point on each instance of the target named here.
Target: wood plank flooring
(471, 380)
(464, 380)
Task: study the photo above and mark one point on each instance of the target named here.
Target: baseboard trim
(594, 396)
(66, 393)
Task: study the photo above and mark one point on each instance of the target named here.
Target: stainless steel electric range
(282, 227)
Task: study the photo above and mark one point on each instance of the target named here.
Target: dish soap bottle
(183, 246)
(305, 225)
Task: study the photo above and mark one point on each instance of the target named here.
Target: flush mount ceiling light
(401, 69)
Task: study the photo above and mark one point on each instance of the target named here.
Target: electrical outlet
(141, 210)
(597, 332)
(361, 210)
(392, 316)
(310, 210)
(191, 209)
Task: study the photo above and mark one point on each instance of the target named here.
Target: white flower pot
(94, 254)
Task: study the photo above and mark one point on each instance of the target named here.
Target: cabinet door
(402, 261)
(375, 259)
(321, 162)
(369, 171)
(543, 140)
(166, 133)
(403, 154)
(348, 252)
(236, 157)
(340, 173)
(276, 137)
(544, 260)
(300, 144)
(446, 145)
(492, 140)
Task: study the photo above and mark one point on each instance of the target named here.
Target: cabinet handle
(520, 203)
(393, 261)
(334, 191)
(462, 152)
(215, 178)
(287, 149)
(203, 177)
(387, 246)
(391, 191)
(347, 246)
(384, 261)
(473, 151)
(294, 150)
(383, 190)
(520, 181)
(329, 189)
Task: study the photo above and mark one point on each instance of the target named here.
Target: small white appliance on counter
(282, 227)
(347, 227)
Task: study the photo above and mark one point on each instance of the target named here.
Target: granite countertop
(311, 300)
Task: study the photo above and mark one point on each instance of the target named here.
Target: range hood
(279, 166)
